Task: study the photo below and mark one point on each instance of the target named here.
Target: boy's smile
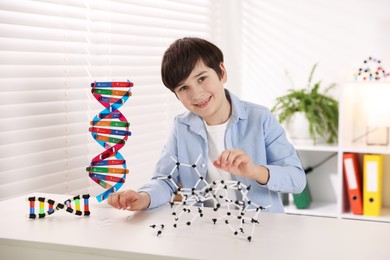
(203, 94)
(204, 103)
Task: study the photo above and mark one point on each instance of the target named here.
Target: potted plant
(320, 109)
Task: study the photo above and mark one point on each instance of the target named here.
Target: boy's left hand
(237, 162)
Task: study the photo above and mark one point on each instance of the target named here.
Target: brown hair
(181, 57)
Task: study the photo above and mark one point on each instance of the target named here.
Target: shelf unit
(326, 182)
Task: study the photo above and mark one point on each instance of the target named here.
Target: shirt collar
(238, 110)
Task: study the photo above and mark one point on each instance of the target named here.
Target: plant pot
(298, 130)
(297, 127)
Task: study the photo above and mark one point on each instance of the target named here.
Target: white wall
(282, 35)
(231, 43)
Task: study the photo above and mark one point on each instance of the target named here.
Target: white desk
(113, 234)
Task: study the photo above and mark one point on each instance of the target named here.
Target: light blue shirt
(253, 129)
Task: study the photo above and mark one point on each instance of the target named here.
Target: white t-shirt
(216, 143)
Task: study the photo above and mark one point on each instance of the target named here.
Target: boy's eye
(182, 88)
(201, 79)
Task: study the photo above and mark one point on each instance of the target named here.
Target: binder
(303, 199)
(352, 177)
(372, 184)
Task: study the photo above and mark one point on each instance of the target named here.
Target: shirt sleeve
(160, 188)
(283, 163)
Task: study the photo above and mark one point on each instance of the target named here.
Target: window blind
(50, 52)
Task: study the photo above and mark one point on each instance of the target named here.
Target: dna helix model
(110, 129)
(52, 206)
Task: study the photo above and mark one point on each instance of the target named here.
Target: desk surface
(113, 234)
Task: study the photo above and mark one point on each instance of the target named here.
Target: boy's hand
(239, 163)
(129, 200)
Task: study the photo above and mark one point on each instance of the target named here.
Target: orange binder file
(352, 179)
(372, 184)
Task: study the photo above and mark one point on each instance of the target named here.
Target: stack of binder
(364, 199)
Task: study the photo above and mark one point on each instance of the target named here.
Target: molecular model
(371, 70)
(53, 206)
(110, 129)
(236, 213)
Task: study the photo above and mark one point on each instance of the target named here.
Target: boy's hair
(181, 57)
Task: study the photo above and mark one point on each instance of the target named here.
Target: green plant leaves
(321, 109)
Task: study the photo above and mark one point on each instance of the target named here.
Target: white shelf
(385, 216)
(326, 182)
(319, 147)
(323, 209)
(366, 149)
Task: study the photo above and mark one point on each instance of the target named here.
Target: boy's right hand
(129, 200)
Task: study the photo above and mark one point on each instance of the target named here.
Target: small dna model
(53, 206)
(110, 129)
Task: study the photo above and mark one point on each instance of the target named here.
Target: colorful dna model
(111, 130)
(53, 206)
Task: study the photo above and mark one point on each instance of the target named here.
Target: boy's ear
(223, 73)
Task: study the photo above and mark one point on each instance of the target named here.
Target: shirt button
(203, 165)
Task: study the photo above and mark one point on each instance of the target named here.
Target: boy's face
(203, 94)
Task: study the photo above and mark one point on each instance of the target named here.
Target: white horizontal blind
(50, 52)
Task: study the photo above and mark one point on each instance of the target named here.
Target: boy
(237, 140)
